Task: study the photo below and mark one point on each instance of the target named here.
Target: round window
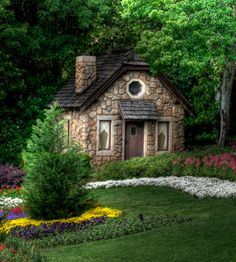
(135, 88)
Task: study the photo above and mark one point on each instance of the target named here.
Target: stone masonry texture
(84, 125)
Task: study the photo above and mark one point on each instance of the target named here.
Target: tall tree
(39, 39)
(195, 44)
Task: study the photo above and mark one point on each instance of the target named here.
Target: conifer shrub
(55, 171)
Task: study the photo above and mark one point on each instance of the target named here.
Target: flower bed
(14, 213)
(197, 186)
(10, 192)
(9, 202)
(210, 165)
(205, 162)
(45, 230)
(91, 214)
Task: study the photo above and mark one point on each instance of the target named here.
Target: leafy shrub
(112, 228)
(137, 167)
(10, 176)
(55, 171)
(188, 163)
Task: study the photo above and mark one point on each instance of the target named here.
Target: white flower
(197, 186)
(8, 202)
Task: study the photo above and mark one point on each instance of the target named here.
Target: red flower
(17, 188)
(17, 210)
(2, 247)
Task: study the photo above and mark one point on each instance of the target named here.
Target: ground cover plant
(206, 162)
(111, 229)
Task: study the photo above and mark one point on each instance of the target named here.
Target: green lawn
(210, 236)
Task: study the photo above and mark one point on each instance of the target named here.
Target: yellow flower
(90, 214)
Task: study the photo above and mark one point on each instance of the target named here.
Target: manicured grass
(210, 236)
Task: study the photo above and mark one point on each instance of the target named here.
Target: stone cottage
(116, 110)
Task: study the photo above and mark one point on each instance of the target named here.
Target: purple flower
(44, 230)
(13, 215)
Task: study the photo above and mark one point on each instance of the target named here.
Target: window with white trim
(163, 136)
(135, 88)
(104, 135)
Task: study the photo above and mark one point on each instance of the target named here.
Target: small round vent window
(135, 88)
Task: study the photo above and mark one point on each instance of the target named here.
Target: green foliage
(169, 164)
(111, 30)
(113, 228)
(16, 250)
(137, 167)
(55, 171)
(190, 41)
(39, 42)
(218, 163)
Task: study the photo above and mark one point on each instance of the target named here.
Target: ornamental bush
(206, 161)
(137, 167)
(55, 171)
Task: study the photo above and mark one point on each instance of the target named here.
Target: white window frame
(165, 120)
(143, 88)
(106, 152)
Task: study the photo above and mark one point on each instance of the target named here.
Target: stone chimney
(85, 72)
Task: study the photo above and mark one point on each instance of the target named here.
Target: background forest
(192, 43)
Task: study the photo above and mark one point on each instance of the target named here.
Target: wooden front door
(134, 133)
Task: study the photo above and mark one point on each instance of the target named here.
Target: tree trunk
(226, 91)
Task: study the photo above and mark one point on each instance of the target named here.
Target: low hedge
(137, 167)
(208, 161)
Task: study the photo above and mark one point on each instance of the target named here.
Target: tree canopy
(193, 42)
(39, 40)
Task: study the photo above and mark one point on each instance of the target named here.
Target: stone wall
(85, 72)
(84, 126)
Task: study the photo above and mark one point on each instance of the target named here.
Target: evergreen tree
(55, 171)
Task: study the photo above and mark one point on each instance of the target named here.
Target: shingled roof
(138, 110)
(110, 65)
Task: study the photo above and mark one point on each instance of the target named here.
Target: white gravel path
(200, 187)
